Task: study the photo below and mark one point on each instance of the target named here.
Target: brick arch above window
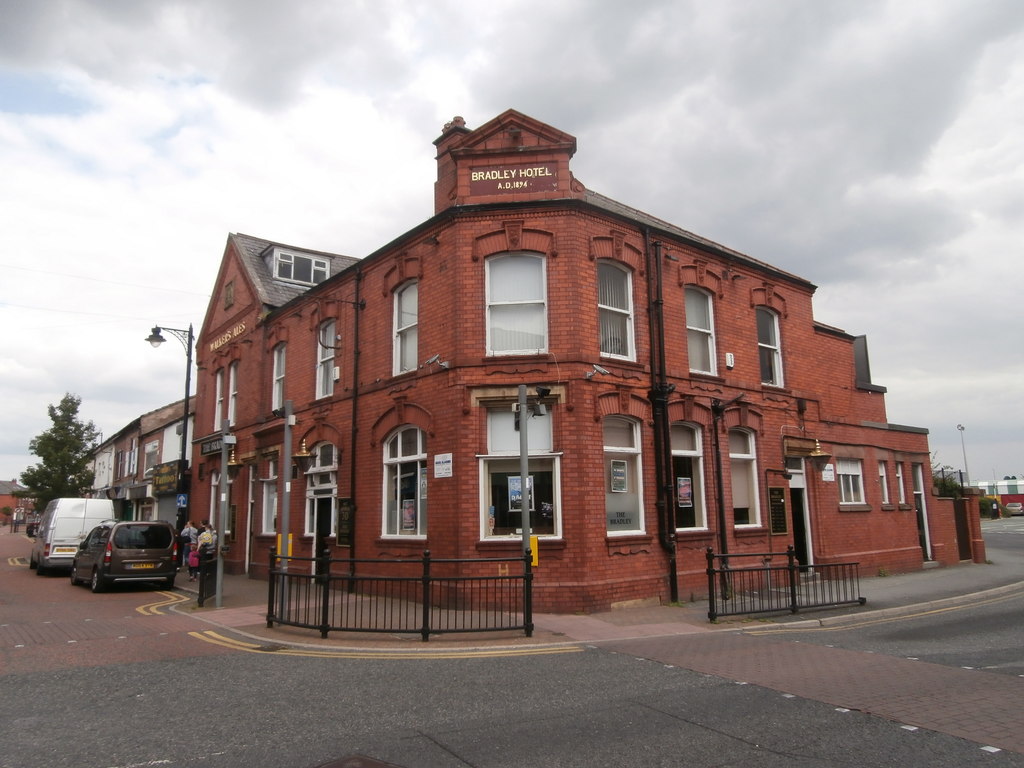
(622, 403)
(743, 416)
(320, 433)
(514, 237)
(400, 414)
(614, 246)
(766, 296)
(690, 410)
(698, 274)
(404, 267)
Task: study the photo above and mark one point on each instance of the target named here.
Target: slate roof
(275, 293)
(8, 487)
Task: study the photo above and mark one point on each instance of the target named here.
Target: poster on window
(515, 493)
(684, 492)
(620, 481)
(408, 515)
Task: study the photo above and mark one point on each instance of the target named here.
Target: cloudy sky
(875, 148)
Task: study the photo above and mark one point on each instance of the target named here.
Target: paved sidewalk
(244, 606)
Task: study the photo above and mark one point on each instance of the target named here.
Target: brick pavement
(971, 704)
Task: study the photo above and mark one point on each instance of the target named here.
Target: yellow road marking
(885, 620)
(16, 561)
(153, 609)
(216, 638)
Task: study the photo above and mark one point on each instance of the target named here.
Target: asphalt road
(120, 680)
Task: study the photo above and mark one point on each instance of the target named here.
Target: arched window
(325, 344)
(688, 476)
(700, 331)
(743, 470)
(406, 328)
(277, 392)
(623, 488)
(405, 483)
(321, 487)
(769, 348)
(516, 305)
(615, 310)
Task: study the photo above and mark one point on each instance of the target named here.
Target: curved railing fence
(424, 596)
(758, 583)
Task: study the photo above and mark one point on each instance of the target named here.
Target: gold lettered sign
(777, 510)
(165, 477)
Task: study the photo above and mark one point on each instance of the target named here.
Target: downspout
(658, 395)
(358, 305)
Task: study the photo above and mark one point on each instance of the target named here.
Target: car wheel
(169, 582)
(32, 563)
(74, 575)
(40, 570)
(97, 583)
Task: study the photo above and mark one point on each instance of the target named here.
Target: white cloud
(870, 147)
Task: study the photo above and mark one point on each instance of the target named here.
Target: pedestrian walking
(193, 562)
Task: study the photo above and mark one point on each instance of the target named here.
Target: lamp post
(963, 447)
(187, 339)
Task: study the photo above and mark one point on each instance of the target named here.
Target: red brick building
(691, 400)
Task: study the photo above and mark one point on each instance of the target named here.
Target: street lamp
(187, 338)
(963, 447)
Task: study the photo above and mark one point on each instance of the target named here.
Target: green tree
(65, 450)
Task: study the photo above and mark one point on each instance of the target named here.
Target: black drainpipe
(359, 304)
(658, 395)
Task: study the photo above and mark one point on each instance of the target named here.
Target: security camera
(430, 360)
(543, 392)
(602, 371)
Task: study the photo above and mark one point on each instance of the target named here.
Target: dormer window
(296, 268)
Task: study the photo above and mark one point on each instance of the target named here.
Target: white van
(64, 524)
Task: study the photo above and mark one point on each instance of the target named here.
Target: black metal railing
(424, 596)
(751, 583)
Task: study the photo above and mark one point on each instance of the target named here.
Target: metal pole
(222, 517)
(963, 447)
(183, 455)
(285, 469)
(524, 467)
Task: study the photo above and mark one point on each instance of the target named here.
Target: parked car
(64, 523)
(1014, 508)
(115, 553)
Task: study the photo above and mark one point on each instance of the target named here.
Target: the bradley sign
(495, 180)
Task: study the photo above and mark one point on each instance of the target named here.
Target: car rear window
(143, 537)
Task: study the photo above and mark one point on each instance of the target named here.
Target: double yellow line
(215, 638)
(153, 609)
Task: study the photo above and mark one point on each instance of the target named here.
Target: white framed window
(901, 489)
(623, 487)
(700, 331)
(615, 310)
(883, 482)
(325, 343)
(218, 400)
(501, 495)
(152, 457)
(321, 483)
(769, 349)
(133, 457)
(268, 522)
(405, 483)
(688, 477)
(516, 304)
(214, 514)
(746, 508)
(849, 473)
(232, 392)
(277, 392)
(406, 328)
(296, 268)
